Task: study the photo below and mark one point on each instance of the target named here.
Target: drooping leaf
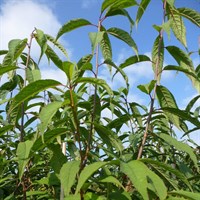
(68, 68)
(180, 146)
(166, 99)
(139, 173)
(111, 179)
(72, 25)
(124, 36)
(23, 151)
(47, 113)
(115, 4)
(106, 48)
(57, 44)
(87, 172)
(68, 174)
(95, 38)
(4, 129)
(142, 7)
(178, 27)
(30, 90)
(136, 113)
(42, 41)
(158, 57)
(191, 103)
(96, 81)
(190, 14)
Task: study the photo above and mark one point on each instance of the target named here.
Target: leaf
(180, 146)
(190, 195)
(23, 151)
(124, 36)
(178, 28)
(190, 14)
(48, 137)
(123, 12)
(120, 195)
(87, 172)
(158, 57)
(96, 81)
(166, 99)
(133, 60)
(147, 88)
(42, 41)
(33, 75)
(53, 57)
(68, 68)
(31, 90)
(109, 62)
(93, 196)
(142, 7)
(57, 44)
(73, 197)
(139, 175)
(111, 179)
(191, 103)
(4, 70)
(95, 39)
(68, 174)
(136, 113)
(115, 4)
(168, 168)
(47, 113)
(106, 48)
(72, 25)
(108, 137)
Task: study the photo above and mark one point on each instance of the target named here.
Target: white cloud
(19, 18)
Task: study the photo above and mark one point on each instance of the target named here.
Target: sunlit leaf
(95, 38)
(188, 195)
(106, 48)
(72, 25)
(124, 36)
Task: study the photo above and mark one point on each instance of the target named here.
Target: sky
(18, 18)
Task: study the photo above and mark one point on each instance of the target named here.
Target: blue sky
(19, 17)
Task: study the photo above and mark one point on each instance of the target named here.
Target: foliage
(55, 142)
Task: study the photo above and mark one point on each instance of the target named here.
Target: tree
(65, 149)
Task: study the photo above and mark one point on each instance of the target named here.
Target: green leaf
(106, 48)
(136, 113)
(168, 168)
(48, 137)
(96, 81)
(178, 28)
(33, 75)
(111, 179)
(73, 197)
(5, 129)
(47, 113)
(72, 25)
(191, 103)
(4, 70)
(120, 195)
(158, 57)
(166, 99)
(68, 174)
(23, 151)
(147, 88)
(93, 196)
(68, 68)
(51, 55)
(142, 7)
(122, 12)
(31, 90)
(57, 44)
(95, 39)
(115, 4)
(133, 60)
(87, 172)
(139, 174)
(42, 41)
(109, 62)
(190, 14)
(124, 36)
(180, 146)
(190, 195)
